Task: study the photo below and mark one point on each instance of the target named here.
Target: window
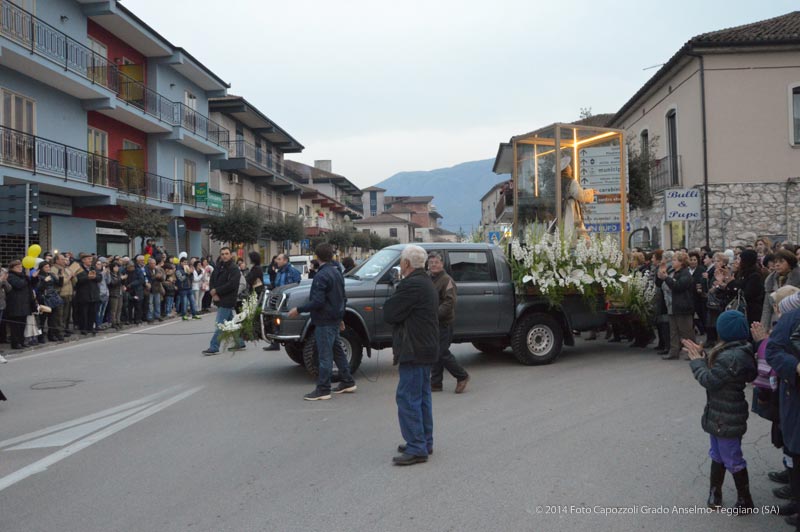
(644, 142)
(98, 70)
(190, 100)
(97, 146)
(130, 145)
(796, 115)
(373, 203)
(19, 113)
(189, 171)
(470, 266)
(393, 232)
(672, 147)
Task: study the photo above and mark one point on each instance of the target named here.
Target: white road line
(44, 463)
(90, 417)
(85, 343)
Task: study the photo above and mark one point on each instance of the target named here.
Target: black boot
(744, 502)
(717, 478)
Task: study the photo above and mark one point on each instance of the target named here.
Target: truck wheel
(537, 339)
(351, 343)
(489, 347)
(295, 352)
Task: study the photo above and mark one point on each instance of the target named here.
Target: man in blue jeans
(413, 312)
(326, 304)
(224, 290)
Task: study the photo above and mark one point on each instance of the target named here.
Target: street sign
(599, 170)
(495, 237)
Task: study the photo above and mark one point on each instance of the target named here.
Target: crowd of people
(735, 314)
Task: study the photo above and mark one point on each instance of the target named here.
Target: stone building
(723, 116)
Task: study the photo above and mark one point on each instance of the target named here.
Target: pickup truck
(489, 312)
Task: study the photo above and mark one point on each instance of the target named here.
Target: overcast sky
(381, 87)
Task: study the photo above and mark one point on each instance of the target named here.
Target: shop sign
(599, 170)
(214, 200)
(49, 204)
(201, 192)
(682, 204)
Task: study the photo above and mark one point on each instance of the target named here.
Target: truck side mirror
(394, 276)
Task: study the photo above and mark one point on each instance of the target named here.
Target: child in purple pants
(724, 372)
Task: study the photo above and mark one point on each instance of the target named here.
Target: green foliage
(280, 230)
(236, 225)
(640, 165)
(478, 236)
(340, 239)
(144, 222)
(361, 240)
(375, 242)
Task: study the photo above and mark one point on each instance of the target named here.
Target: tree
(289, 228)
(375, 242)
(236, 225)
(586, 112)
(341, 239)
(640, 165)
(462, 235)
(142, 221)
(361, 240)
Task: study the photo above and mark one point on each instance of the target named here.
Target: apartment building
(100, 111)
(253, 174)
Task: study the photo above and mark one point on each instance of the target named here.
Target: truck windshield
(376, 264)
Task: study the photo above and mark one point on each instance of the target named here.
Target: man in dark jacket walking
(413, 311)
(224, 291)
(446, 289)
(326, 304)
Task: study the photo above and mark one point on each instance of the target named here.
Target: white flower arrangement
(555, 265)
(242, 323)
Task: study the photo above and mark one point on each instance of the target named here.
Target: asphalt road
(139, 432)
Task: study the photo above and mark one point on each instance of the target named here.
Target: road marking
(42, 465)
(86, 419)
(90, 342)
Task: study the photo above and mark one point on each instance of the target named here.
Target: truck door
(478, 307)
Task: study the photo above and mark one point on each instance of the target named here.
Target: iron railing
(43, 156)
(665, 173)
(258, 156)
(43, 39)
(267, 212)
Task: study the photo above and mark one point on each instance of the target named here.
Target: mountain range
(456, 191)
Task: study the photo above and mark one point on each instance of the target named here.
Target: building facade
(388, 226)
(497, 209)
(100, 112)
(253, 174)
(739, 148)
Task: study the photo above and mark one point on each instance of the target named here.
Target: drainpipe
(789, 181)
(705, 145)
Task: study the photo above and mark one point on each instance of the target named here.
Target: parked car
(489, 313)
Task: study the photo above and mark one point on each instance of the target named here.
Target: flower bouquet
(554, 264)
(243, 324)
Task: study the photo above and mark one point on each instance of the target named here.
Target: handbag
(31, 327)
(738, 303)
(52, 299)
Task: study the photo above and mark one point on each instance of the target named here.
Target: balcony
(48, 55)
(665, 173)
(46, 157)
(268, 213)
(504, 210)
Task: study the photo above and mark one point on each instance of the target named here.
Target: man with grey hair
(412, 310)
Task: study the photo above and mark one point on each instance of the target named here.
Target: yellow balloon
(28, 262)
(175, 260)
(35, 250)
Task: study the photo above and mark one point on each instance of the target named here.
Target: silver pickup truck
(489, 313)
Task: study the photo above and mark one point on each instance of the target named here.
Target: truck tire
(537, 339)
(295, 352)
(353, 348)
(489, 348)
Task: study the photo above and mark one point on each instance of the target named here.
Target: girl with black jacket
(20, 302)
(747, 282)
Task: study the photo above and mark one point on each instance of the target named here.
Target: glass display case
(570, 175)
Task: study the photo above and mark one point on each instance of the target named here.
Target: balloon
(146, 257)
(28, 262)
(38, 261)
(35, 250)
(175, 260)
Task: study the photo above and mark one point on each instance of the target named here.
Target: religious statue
(573, 196)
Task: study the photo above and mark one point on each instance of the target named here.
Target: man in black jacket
(224, 290)
(326, 304)
(87, 294)
(413, 311)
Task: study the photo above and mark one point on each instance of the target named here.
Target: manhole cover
(54, 384)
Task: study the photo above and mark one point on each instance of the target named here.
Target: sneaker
(346, 387)
(784, 492)
(4, 361)
(196, 317)
(781, 477)
(238, 348)
(209, 352)
(317, 395)
(186, 318)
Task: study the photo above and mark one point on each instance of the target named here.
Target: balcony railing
(505, 201)
(665, 173)
(43, 39)
(42, 156)
(260, 157)
(267, 212)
